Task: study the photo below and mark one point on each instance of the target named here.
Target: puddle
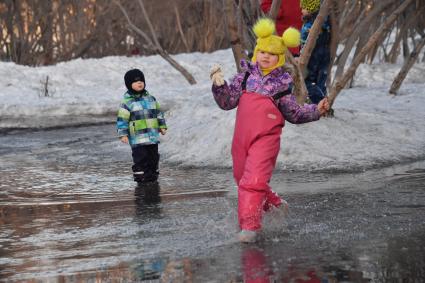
(67, 218)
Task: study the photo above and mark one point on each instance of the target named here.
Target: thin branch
(395, 86)
(179, 26)
(134, 27)
(232, 27)
(340, 83)
(151, 29)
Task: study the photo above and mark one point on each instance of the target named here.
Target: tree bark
(299, 83)
(177, 66)
(340, 83)
(395, 49)
(179, 26)
(406, 67)
(348, 16)
(405, 44)
(274, 9)
(151, 29)
(232, 27)
(334, 38)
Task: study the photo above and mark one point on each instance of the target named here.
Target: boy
(317, 68)
(139, 122)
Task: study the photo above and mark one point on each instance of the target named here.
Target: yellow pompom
(264, 27)
(291, 37)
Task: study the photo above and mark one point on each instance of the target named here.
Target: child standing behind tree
(317, 68)
(263, 95)
(139, 123)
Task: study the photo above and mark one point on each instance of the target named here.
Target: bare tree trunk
(179, 26)
(339, 84)
(254, 9)
(395, 49)
(250, 13)
(8, 25)
(232, 26)
(299, 83)
(313, 34)
(274, 9)
(47, 38)
(177, 66)
(363, 39)
(334, 38)
(240, 22)
(406, 67)
(405, 44)
(348, 16)
(146, 16)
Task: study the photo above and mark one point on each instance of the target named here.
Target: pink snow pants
(256, 144)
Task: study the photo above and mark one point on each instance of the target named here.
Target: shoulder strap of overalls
(282, 93)
(275, 97)
(243, 84)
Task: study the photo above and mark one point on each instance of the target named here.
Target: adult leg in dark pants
(317, 69)
(145, 159)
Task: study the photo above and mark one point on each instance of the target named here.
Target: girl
(263, 95)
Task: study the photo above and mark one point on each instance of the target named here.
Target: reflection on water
(153, 234)
(258, 267)
(403, 259)
(70, 212)
(400, 262)
(147, 200)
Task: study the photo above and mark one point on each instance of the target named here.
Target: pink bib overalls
(256, 144)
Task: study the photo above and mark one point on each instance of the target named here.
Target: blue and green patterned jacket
(140, 118)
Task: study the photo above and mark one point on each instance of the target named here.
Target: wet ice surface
(70, 211)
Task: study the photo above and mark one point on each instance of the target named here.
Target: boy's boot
(138, 177)
(151, 176)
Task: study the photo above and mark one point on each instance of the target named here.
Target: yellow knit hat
(264, 29)
(310, 5)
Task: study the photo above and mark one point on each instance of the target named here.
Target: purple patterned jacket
(227, 96)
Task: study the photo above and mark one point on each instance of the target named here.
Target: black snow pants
(146, 160)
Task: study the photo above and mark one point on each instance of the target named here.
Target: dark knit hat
(132, 76)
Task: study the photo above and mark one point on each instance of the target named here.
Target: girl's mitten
(216, 75)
